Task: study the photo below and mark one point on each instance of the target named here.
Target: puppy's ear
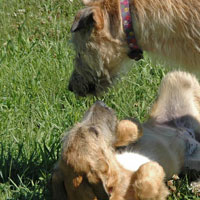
(102, 166)
(93, 130)
(98, 172)
(87, 18)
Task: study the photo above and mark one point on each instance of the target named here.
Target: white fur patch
(131, 161)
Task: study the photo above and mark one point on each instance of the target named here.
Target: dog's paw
(127, 132)
(149, 182)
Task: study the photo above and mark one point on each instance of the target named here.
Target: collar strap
(135, 52)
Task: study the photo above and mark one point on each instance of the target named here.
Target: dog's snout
(100, 103)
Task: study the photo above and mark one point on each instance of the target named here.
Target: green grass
(36, 60)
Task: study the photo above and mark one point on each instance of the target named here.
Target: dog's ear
(87, 18)
(98, 171)
(102, 166)
(92, 129)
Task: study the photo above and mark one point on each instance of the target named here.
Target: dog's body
(88, 166)
(168, 30)
(129, 172)
(174, 115)
(168, 136)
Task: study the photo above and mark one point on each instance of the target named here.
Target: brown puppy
(89, 159)
(86, 143)
(168, 30)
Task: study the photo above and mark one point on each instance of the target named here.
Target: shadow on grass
(28, 173)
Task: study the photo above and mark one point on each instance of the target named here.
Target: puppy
(88, 168)
(86, 143)
(129, 160)
(166, 30)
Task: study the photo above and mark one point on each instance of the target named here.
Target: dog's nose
(91, 88)
(70, 88)
(101, 103)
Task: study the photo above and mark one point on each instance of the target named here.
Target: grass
(36, 60)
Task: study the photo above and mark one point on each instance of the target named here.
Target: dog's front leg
(128, 131)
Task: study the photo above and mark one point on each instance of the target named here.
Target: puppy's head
(100, 46)
(90, 140)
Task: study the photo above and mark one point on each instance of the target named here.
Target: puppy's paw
(149, 183)
(127, 132)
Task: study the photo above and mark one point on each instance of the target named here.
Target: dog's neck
(135, 52)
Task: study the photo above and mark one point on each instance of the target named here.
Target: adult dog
(127, 159)
(168, 30)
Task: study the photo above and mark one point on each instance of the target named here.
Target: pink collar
(135, 52)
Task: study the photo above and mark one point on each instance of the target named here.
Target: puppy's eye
(94, 130)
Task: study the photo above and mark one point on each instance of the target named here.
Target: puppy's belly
(131, 161)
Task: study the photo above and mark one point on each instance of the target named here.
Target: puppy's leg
(148, 182)
(121, 184)
(127, 132)
(179, 97)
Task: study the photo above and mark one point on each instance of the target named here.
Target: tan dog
(74, 177)
(131, 171)
(88, 160)
(168, 30)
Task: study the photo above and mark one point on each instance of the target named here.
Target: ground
(36, 59)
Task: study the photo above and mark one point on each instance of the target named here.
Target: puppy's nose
(70, 88)
(101, 103)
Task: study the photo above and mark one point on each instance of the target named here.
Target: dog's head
(102, 118)
(100, 46)
(88, 140)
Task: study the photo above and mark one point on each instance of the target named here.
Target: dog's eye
(94, 130)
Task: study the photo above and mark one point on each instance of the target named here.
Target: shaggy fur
(128, 127)
(89, 139)
(88, 161)
(129, 160)
(167, 30)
